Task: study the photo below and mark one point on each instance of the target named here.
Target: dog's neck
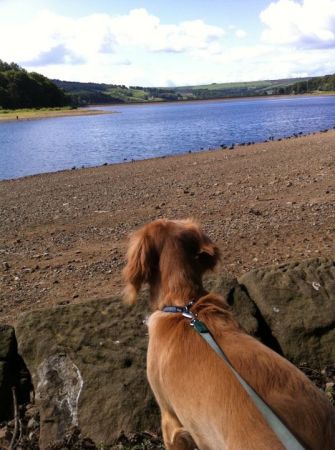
(176, 292)
(178, 278)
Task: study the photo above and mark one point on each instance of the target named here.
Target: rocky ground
(63, 235)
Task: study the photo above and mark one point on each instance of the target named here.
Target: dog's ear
(208, 255)
(199, 246)
(141, 258)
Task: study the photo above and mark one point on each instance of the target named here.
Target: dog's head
(171, 256)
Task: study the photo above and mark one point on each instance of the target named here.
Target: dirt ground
(63, 235)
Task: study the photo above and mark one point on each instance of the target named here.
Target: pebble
(32, 423)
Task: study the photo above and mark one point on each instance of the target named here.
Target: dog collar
(184, 310)
(179, 309)
(175, 309)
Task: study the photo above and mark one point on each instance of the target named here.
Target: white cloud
(240, 34)
(79, 39)
(139, 28)
(86, 37)
(56, 55)
(306, 24)
(104, 47)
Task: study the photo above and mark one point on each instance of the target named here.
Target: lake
(152, 130)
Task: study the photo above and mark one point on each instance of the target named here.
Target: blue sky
(167, 43)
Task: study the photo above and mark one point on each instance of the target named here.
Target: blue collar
(184, 310)
(175, 309)
(179, 309)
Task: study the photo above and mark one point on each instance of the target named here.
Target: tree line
(22, 89)
(324, 83)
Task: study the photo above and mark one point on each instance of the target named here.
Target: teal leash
(289, 441)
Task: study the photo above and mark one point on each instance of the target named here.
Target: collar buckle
(188, 314)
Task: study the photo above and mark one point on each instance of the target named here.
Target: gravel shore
(63, 235)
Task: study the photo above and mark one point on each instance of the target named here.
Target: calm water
(144, 131)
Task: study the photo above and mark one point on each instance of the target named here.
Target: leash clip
(189, 315)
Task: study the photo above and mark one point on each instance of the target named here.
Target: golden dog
(202, 404)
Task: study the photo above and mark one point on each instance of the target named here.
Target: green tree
(21, 89)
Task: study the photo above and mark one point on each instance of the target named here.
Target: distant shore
(45, 113)
(31, 114)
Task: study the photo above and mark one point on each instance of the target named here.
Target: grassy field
(262, 84)
(27, 114)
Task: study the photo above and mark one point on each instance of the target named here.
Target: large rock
(88, 364)
(297, 301)
(241, 305)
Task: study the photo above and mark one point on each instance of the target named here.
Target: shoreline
(236, 146)
(18, 116)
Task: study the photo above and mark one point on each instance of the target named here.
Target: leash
(289, 441)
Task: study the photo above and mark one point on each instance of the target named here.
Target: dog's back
(191, 383)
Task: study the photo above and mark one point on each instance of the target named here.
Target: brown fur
(202, 404)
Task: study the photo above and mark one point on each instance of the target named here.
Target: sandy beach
(63, 235)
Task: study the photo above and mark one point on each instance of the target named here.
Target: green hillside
(242, 85)
(238, 89)
(312, 85)
(95, 93)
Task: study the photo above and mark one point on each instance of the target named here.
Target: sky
(169, 42)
